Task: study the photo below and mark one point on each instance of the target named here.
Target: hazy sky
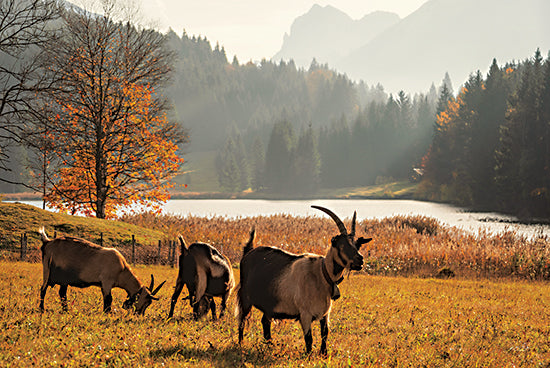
(253, 29)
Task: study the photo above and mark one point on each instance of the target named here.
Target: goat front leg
(212, 307)
(305, 321)
(324, 334)
(107, 298)
(202, 282)
(63, 297)
(266, 324)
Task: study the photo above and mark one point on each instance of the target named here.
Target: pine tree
(257, 161)
(306, 164)
(521, 154)
(227, 168)
(278, 157)
(446, 83)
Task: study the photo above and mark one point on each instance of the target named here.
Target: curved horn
(158, 288)
(336, 219)
(352, 234)
(152, 282)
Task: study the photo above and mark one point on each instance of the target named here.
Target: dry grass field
(397, 312)
(379, 321)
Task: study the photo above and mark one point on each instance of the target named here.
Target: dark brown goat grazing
(289, 286)
(206, 273)
(69, 261)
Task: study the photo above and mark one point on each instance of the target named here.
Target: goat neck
(332, 263)
(129, 282)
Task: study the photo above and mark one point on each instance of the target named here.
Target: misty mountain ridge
(454, 36)
(328, 35)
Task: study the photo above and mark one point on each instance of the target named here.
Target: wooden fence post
(172, 251)
(101, 238)
(158, 253)
(133, 250)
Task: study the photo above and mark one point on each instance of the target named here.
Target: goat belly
(261, 270)
(68, 276)
(286, 316)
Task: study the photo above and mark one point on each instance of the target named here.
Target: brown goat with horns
(69, 261)
(289, 286)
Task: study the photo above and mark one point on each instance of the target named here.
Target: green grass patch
(378, 322)
(393, 190)
(18, 218)
(199, 174)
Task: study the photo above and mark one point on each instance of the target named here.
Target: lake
(366, 209)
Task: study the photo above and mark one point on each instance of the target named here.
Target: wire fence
(162, 253)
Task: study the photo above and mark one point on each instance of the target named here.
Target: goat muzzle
(357, 264)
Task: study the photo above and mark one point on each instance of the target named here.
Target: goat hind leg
(223, 304)
(175, 296)
(244, 311)
(43, 290)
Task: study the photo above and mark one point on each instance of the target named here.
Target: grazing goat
(302, 287)
(206, 273)
(69, 261)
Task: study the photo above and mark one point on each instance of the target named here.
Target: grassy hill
(19, 218)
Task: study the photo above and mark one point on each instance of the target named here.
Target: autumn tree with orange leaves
(113, 144)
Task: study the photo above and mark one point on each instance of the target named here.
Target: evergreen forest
(288, 131)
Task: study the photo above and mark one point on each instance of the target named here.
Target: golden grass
(378, 321)
(402, 245)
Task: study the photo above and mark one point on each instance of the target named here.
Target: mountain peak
(328, 34)
(449, 35)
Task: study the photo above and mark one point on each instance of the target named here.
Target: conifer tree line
(382, 142)
(275, 128)
(491, 144)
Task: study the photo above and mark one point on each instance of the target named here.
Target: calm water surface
(366, 209)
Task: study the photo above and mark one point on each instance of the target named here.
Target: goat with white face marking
(289, 286)
(68, 261)
(207, 273)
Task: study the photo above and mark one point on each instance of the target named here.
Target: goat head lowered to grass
(69, 261)
(290, 286)
(207, 273)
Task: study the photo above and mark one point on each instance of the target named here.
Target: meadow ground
(379, 321)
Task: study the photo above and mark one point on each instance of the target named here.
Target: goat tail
(43, 235)
(182, 244)
(250, 243)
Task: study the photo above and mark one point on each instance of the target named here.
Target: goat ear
(361, 241)
(158, 288)
(352, 233)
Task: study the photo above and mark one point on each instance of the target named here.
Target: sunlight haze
(250, 29)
